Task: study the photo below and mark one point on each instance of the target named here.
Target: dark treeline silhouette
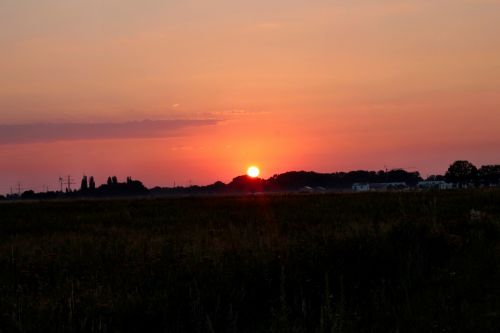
(460, 173)
(296, 180)
(339, 180)
(88, 189)
(466, 173)
(112, 188)
(128, 188)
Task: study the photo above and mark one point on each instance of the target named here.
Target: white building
(359, 187)
(363, 187)
(442, 185)
(306, 189)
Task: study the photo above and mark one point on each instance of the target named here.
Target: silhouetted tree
(400, 175)
(85, 186)
(461, 172)
(114, 180)
(489, 174)
(435, 178)
(92, 183)
(110, 181)
(30, 194)
(246, 184)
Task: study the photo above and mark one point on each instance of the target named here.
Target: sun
(253, 171)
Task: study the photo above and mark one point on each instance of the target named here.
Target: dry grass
(375, 262)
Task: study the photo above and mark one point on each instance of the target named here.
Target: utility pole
(69, 182)
(61, 183)
(16, 189)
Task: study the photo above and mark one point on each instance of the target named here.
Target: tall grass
(374, 262)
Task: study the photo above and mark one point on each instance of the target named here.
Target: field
(373, 262)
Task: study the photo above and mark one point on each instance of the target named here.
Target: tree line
(462, 173)
(88, 188)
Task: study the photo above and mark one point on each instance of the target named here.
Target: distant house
(363, 187)
(441, 185)
(306, 189)
(446, 186)
(360, 187)
(309, 189)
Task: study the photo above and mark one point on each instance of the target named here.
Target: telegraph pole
(69, 182)
(61, 183)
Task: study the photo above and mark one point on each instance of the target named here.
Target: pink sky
(287, 85)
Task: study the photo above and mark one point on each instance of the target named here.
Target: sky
(195, 91)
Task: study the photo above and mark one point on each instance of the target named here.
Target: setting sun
(253, 171)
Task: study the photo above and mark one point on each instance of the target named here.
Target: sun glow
(253, 171)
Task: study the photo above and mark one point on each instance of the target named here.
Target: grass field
(374, 262)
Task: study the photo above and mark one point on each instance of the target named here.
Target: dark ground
(374, 262)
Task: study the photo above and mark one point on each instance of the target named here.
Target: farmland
(370, 262)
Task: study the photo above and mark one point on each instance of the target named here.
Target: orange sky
(288, 85)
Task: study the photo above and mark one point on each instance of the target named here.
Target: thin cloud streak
(50, 132)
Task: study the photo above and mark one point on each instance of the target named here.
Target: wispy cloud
(49, 132)
(233, 112)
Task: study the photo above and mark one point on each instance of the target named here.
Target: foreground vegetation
(373, 262)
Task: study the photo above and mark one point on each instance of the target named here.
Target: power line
(61, 182)
(16, 189)
(19, 188)
(68, 182)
